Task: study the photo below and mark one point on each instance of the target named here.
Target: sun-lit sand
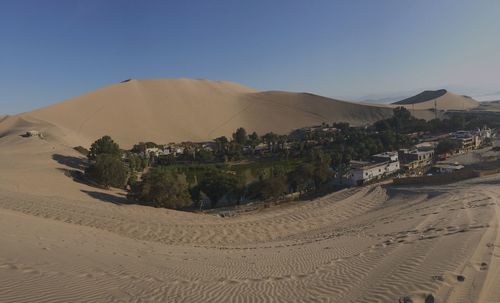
(442, 99)
(66, 242)
(63, 241)
(175, 110)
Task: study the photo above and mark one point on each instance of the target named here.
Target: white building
(485, 132)
(384, 164)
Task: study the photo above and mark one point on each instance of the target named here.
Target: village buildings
(383, 164)
(418, 158)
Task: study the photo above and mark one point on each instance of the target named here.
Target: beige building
(417, 158)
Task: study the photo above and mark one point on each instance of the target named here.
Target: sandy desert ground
(63, 241)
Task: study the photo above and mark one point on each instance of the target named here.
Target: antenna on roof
(435, 108)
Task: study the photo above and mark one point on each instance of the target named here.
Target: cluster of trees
(165, 187)
(474, 120)
(239, 146)
(106, 167)
(161, 188)
(320, 156)
(403, 122)
(347, 143)
(228, 150)
(447, 146)
(313, 174)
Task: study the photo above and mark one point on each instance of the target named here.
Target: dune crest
(442, 99)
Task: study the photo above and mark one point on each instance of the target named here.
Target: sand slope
(444, 99)
(360, 245)
(63, 241)
(184, 109)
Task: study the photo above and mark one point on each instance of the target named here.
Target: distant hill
(489, 106)
(175, 110)
(489, 97)
(3, 117)
(441, 98)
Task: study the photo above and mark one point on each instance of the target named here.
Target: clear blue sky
(53, 50)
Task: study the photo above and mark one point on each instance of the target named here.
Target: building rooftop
(367, 165)
(386, 154)
(417, 151)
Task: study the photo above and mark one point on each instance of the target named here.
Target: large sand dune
(180, 110)
(442, 99)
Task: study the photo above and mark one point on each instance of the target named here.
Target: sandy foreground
(62, 241)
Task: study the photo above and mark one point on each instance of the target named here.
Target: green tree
(273, 187)
(321, 168)
(234, 150)
(137, 163)
(217, 184)
(240, 136)
(382, 125)
(271, 140)
(221, 147)
(281, 141)
(104, 145)
(254, 139)
(457, 123)
(446, 146)
(301, 177)
(162, 188)
(401, 113)
(205, 156)
(107, 170)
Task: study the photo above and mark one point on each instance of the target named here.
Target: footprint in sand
(483, 266)
(30, 271)
(418, 298)
(9, 266)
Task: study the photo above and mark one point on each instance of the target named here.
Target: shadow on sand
(75, 170)
(70, 161)
(110, 198)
